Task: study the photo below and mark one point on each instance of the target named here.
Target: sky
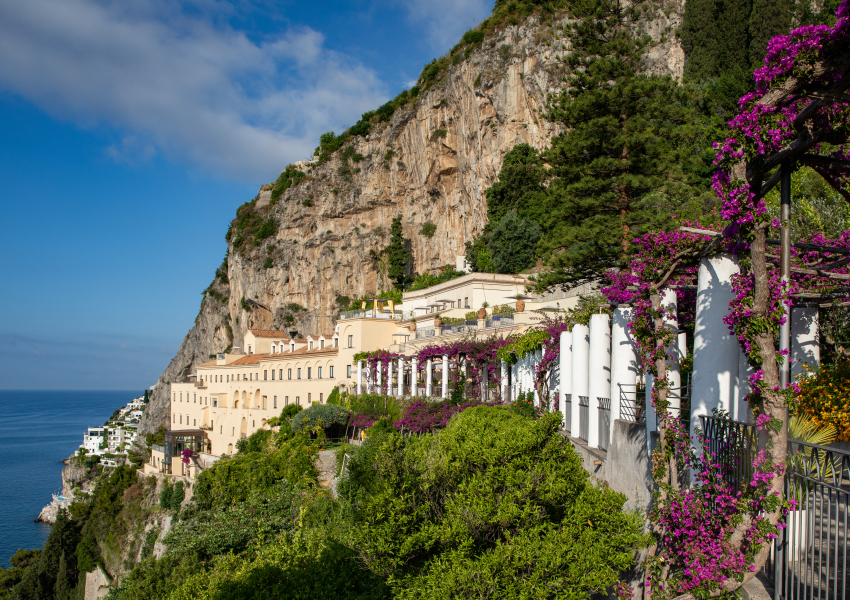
(131, 130)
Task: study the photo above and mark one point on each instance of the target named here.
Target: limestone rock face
(431, 164)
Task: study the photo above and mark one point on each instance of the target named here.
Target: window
(299, 373)
(265, 374)
(466, 302)
(308, 398)
(289, 373)
(251, 377)
(336, 342)
(232, 431)
(351, 341)
(221, 429)
(280, 374)
(272, 374)
(253, 423)
(275, 401)
(174, 418)
(215, 402)
(249, 350)
(228, 378)
(175, 396)
(347, 371)
(321, 344)
(311, 346)
(181, 396)
(298, 400)
(309, 372)
(195, 398)
(331, 371)
(181, 419)
(319, 372)
(286, 400)
(194, 421)
(320, 398)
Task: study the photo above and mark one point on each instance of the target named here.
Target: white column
(805, 349)
(674, 377)
(581, 347)
(599, 372)
(390, 390)
(565, 365)
(485, 375)
(683, 346)
(514, 381)
(715, 377)
(429, 377)
(504, 381)
(378, 377)
(624, 362)
(359, 377)
(414, 378)
(400, 377)
(534, 360)
(445, 390)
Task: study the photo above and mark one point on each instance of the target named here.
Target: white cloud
(181, 83)
(447, 20)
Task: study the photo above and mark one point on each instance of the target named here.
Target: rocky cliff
(431, 163)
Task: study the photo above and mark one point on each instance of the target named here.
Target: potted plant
(520, 303)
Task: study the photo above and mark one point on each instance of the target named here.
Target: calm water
(37, 430)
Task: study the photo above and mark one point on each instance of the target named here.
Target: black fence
(604, 422)
(809, 559)
(630, 410)
(583, 417)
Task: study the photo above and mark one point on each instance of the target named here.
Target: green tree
(65, 578)
(512, 243)
(400, 257)
(768, 19)
(496, 505)
(520, 183)
(701, 39)
(165, 494)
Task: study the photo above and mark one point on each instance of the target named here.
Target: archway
(236, 399)
(243, 428)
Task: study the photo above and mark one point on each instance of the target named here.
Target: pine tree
(629, 155)
(400, 256)
(734, 38)
(768, 19)
(701, 39)
(64, 589)
(512, 243)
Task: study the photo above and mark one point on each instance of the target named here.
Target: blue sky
(129, 133)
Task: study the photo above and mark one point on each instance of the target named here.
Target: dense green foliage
(424, 280)
(324, 415)
(512, 243)
(254, 442)
(400, 256)
(290, 177)
(171, 496)
(498, 513)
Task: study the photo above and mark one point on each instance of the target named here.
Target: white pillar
(565, 366)
(378, 377)
(683, 346)
(674, 377)
(390, 389)
(581, 347)
(485, 375)
(504, 381)
(514, 381)
(445, 390)
(414, 378)
(534, 360)
(599, 372)
(359, 377)
(805, 349)
(715, 376)
(429, 377)
(400, 377)
(624, 362)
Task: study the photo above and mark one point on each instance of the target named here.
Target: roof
(248, 359)
(300, 352)
(269, 333)
(209, 363)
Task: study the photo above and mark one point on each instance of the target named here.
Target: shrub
(328, 414)
(268, 263)
(825, 397)
(439, 134)
(334, 397)
(494, 505)
(366, 409)
(473, 36)
(289, 178)
(255, 442)
(428, 229)
(267, 229)
(513, 242)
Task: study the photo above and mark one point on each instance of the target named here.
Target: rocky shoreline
(73, 481)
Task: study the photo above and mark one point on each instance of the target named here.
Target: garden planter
(520, 305)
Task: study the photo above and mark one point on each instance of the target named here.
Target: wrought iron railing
(604, 422)
(583, 417)
(568, 412)
(810, 558)
(424, 332)
(629, 409)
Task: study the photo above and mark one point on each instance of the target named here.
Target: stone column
(484, 377)
(715, 376)
(378, 377)
(464, 373)
(400, 377)
(683, 346)
(359, 377)
(599, 372)
(565, 367)
(445, 390)
(514, 381)
(805, 349)
(624, 362)
(414, 378)
(534, 360)
(581, 347)
(504, 382)
(669, 303)
(429, 377)
(390, 378)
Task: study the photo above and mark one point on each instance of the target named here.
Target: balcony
(201, 385)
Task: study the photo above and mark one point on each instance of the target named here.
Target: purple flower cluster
(425, 417)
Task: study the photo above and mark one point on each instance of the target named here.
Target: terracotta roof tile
(248, 359)
(269, 333)
(209, 363)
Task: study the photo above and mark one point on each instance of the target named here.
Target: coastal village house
(234, 395)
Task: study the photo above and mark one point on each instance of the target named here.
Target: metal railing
(371, 314)
(424, 332)
(568, 412)
(809, 559)
(604, 422)
(629, 409)
(583, 417)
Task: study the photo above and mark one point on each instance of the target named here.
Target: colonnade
(393, 380)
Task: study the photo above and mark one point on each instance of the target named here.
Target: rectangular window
(319, 373)
(311, 346)
(175, 396)
(286, 400)
(251, 377)
(336, 342)
(272, 374)
(275, 401)
(195, 398)
(309, 372)
(348, 371)
(308, 398)
(228, 379)
(351, 341)
(331, 371)
(321, 396)
(289, 373)
(321, 344)
(215, 402)
(194, 421)
(298, 374)
(466, 302)
(265, 374)
(298, 400)
(280, 374)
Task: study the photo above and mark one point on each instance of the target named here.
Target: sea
(37, 430)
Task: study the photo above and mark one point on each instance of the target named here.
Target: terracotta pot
(413, 326)
(438, 322)
(482, 313)
(520, 305)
